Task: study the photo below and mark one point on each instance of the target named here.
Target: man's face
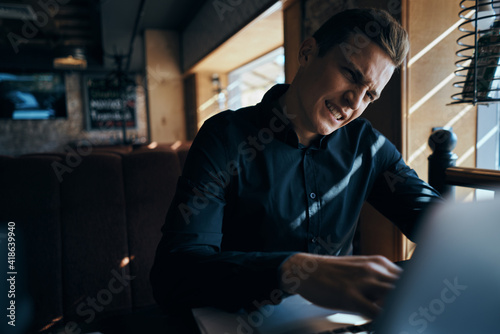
(336, 88)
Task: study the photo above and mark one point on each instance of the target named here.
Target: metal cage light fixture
(479, 63)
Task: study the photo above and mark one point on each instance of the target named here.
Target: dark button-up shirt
(251, 195)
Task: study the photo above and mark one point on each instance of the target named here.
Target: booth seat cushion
(150, 179)
(91, 225)
(30, 196)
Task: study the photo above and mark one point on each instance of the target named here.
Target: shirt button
(312, 195)
(314, 240)
(308, 152)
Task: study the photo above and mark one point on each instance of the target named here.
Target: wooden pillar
(292, 20)
(165, 86)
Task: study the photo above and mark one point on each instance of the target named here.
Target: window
(488, 142)
(248, 84)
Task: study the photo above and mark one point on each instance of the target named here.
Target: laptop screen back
(452, 284)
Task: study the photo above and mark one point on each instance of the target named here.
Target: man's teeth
(335, 113)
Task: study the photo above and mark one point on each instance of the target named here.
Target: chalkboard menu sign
(106, 105)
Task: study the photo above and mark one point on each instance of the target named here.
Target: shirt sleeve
(398, 193)
(191, 267)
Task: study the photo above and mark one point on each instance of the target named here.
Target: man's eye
(370, 96)
(350, 74)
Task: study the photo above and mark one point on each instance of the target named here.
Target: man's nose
(355, 98)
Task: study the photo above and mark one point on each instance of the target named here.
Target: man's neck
(287, 102)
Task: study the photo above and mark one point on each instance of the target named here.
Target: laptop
(451, 285)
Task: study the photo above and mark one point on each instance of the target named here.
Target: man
(268, 201)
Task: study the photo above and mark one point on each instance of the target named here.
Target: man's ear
(307, 49)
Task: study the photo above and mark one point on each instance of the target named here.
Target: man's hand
(350, 283)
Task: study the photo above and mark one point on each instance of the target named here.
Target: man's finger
(395, 269)
(389, 265)
(388, 277)
(367, 307)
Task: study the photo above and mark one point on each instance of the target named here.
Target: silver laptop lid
(452, 284)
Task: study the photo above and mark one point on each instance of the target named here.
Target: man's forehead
(361, 54)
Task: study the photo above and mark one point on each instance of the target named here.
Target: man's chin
(331, 130)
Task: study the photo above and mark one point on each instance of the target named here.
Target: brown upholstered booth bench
(87, 225)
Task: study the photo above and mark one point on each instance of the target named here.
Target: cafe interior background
(166, 66)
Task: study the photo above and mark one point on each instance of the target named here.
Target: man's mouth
(336, 114)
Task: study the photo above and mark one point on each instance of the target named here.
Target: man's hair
(376, 24)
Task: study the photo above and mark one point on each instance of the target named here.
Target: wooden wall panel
(430, 79)
(292, 21)
(165, 86)
(191, 106)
